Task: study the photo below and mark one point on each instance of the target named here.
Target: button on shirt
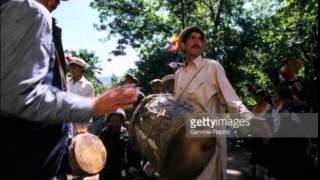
(210, 91)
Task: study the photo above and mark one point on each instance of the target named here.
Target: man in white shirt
(203, 83)
(79, 85)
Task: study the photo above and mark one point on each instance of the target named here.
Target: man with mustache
(203, 83)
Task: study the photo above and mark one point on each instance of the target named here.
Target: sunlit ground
(233, 172)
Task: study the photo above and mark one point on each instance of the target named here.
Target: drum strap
(61, 72)
(195, 74)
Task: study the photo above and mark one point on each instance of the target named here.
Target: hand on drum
(114, 98)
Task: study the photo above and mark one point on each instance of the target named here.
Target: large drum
(87, 155)
(158, 132)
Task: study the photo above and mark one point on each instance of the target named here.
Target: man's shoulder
(213, 64)
(25, 10)
(178, 71)
(211, 61)
(69, 79)
(40, 9)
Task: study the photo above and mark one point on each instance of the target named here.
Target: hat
(132, 77)
(119, 111)
(261, 91)
(155, 81)
(77, 61)
(167, 78)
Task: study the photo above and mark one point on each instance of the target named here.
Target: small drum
(158, 132)
(87, 155)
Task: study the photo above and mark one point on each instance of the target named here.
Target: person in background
(262, 108)
(133, 157)
(115, 138)
(131, 79)
(287, 144)
(168, 83)
(79, 85)
(156, 86)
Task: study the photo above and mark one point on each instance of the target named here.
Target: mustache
(196, 46)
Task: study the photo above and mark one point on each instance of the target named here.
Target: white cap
(78, 61)
(155, 81)
(167, 78)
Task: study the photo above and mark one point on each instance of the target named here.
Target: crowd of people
(285, 156)
(281, 111)
(124, 161)
(42, 110)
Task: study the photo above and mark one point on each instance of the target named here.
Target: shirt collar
(197, 62)
(80, 80)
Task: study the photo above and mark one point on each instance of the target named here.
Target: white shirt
(83, 87)
(211, 92)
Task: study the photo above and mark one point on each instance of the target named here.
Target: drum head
(88, 154)
(158, 131)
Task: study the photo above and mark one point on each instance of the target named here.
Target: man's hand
(114, 98)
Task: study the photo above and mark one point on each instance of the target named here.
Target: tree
(292, 31)
(249, 38)
(148, 25)
(115, 80)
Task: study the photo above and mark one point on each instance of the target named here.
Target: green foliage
(292, 31)
(115, 81)
(249, 38)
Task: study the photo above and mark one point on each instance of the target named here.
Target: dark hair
(188, 31)
(293, 56)
(284, 92)
(131, 77)
(265, 94)
(113, 114)
(274, 76)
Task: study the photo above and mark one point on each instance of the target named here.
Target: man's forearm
(48, 105)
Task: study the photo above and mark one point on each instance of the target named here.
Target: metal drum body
(87, 155)
(158, 132)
